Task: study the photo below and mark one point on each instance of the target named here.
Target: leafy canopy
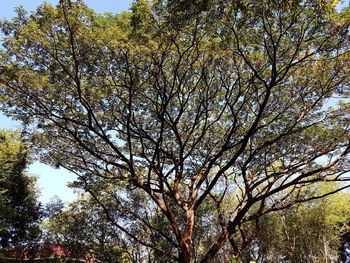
(19, 209)
(221, 104)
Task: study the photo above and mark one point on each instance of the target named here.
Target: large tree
(225, 104)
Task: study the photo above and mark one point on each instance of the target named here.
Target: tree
(228, 109)
(83, 229)
(19, 209)
(308, 232)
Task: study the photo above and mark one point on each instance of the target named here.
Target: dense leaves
(307, 232)
(83, 229)
(228, 109)
(19, 209)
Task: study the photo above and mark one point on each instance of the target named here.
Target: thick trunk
(185, 255)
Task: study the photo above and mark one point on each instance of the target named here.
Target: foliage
(19, 209)
(84, 229)
(227, 109)
(307, 232)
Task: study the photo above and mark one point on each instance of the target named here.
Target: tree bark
(185, 255)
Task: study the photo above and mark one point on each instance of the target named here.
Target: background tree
(20, 211)
(83, 229)
(307, 232)
(230, 108)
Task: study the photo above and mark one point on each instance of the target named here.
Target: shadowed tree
(19, 213)
(83, 229)
(307, 232)
(230, 110)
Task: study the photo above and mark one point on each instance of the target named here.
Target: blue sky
(115, 6)
(52, 181)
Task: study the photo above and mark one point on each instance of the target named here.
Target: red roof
(46, 251)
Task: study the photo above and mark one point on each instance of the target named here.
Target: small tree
(19, 213)
(227, 108)
(307, 232)
(83, 229)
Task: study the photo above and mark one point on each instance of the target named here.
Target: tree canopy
(223, 105)
(84, 229)
(19, 209)
(307, 232)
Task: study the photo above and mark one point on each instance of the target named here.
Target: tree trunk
(185, 255)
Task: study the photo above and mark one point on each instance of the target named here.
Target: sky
(53, 182)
